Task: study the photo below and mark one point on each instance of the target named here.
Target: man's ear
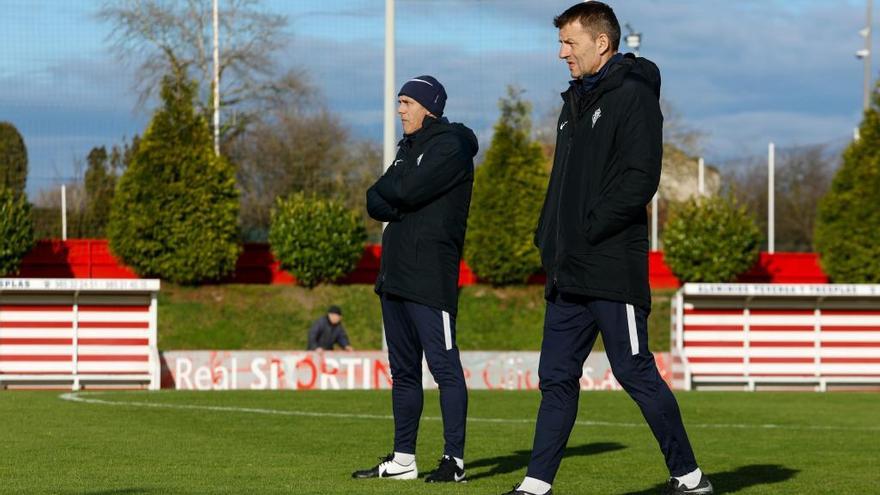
(603, 44)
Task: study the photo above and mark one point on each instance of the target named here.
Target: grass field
(309, 442)
(261, 317)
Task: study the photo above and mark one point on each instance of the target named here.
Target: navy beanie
(428, 92)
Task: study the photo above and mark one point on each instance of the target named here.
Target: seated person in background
(328, 331)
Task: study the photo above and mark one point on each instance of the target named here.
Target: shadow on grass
(520, 459)
(120, 491)
(738, 479)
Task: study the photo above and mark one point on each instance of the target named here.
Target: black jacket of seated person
(324, 335)
(425, 196)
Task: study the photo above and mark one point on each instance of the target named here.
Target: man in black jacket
(593, 239)
(424, 196)
(327, 331)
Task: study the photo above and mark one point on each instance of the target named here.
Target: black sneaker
(447, 472)
(704, 487)
(387, 468)
(517, 491)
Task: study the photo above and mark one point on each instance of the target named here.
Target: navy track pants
(412, 329)
(571, 325)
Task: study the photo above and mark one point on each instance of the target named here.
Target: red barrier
(659, 274)
(786, 268)
(91, 258)
(75, 258)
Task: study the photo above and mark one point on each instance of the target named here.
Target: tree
(848, 226)
(13, 159)
(508, 194)
(175, 37)
(300, 149)
(677, 134)
(175, 208)
(317, 240)
(89, 196)
(16, 230)
(710, 239)
(803, 176)
(99, 185)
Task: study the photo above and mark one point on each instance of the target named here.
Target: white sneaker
(389, 468)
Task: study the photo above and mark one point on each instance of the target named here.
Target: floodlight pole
(216, 82)
(389, 148)
(867, 55)
(389, 141)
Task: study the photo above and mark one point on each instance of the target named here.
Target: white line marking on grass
(80, 397)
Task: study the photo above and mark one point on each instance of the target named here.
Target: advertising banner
(302, 370)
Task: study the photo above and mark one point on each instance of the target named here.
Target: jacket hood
(644, 69)
(629, 66)
(433, 126)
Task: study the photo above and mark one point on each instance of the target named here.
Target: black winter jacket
(593, 229)
(324, 335)
(425, 196)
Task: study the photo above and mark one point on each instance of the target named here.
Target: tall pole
(868, 54)
(388, 149)
(63, 212)
(771, 199)
(216, 83)
(655, 201)
(390, 100)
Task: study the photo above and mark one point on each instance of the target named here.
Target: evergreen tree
(711, 240)
(175, 210)
(508, 194)
(16, 230)
(848, 225)
(317, 239)
(13, 159)
(99, 185)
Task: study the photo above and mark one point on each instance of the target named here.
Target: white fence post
(701, 176)
(771, 199)
(63, 212)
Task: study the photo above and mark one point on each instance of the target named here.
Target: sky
(743, 72)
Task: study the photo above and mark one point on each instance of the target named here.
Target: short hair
(596, 17)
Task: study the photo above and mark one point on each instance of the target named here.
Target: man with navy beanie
(424, 196)
(428, 92)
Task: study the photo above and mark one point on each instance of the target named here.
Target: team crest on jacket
(596, 115)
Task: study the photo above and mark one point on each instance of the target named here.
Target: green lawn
(280, 442)
(266, 317)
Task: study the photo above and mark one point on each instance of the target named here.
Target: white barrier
(81, 332)
(302, 370)
(747, 335)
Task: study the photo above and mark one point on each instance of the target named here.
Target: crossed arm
(443, 166)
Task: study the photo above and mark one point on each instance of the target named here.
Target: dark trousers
(412, 329)
(571, 324)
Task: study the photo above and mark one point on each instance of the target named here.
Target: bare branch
(159, 37)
